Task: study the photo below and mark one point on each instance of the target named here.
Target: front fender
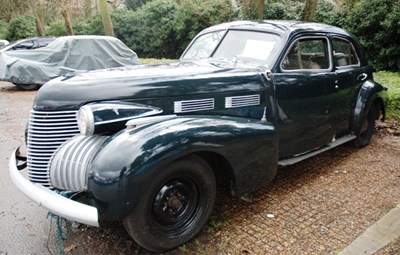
(130, 159)
(367, 95)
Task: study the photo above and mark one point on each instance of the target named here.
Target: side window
(344, 53)
(307, 54)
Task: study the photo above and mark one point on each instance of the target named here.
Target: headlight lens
(86, 120)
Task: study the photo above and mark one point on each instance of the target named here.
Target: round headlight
(85, 120)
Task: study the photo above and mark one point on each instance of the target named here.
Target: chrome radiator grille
(46, 132)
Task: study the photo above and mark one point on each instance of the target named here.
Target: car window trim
(352, 45)
(200, 35)
(329, 53)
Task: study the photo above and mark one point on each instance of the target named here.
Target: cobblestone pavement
(318, 206)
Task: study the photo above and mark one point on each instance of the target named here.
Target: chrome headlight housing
(110, 117)
(85, 119)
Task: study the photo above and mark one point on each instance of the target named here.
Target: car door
(350, 75)
(304, 75)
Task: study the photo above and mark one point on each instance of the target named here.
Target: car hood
(145, 82)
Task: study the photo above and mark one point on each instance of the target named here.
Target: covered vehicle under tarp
(63, 55)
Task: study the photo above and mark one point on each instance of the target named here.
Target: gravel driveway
(318, 206)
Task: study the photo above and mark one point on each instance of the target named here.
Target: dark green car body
(310, 90)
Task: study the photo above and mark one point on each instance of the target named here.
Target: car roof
(279, 26)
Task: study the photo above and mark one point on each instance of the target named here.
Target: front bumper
(50, 200)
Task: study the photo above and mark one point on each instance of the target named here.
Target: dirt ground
(318, 206)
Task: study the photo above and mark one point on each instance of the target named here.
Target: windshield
(249, 46)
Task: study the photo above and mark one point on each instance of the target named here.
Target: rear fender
(122, 169)
(368, 95)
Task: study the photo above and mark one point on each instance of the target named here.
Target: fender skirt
(127, 161)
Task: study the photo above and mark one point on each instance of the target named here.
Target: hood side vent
(194, 105)
(242, 101)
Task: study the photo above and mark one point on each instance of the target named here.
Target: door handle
(362, 77)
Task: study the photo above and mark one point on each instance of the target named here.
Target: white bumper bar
(52, 201)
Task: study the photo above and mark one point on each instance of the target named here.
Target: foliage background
(163, 28)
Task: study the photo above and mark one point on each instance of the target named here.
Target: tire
(367, 128)
(27, 87)
(175, 207)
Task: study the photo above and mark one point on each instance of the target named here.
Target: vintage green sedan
(143, 144)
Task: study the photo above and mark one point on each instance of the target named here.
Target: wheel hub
(173, 202)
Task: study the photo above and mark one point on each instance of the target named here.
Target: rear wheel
(175, 207)
(367, 127)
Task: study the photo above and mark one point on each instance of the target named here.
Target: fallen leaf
(70, 248)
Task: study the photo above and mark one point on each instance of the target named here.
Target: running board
(293, 160)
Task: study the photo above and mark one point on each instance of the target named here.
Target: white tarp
(63, 55)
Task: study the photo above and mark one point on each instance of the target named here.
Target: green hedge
(3, 29)
(163, 28)
(391, 80)
(376, 23)
(21, 26)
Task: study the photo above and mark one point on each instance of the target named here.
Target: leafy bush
(392, 81)
(3, 29)
(164, 28)
(195, 15)
(376, 24)
(151, 30)
(329, 13)
(56, 28)
(123, 21)
(89, 26)
(135, 4)
(283, 10)
(21, 26)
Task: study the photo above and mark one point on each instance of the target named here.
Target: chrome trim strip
(52, 201)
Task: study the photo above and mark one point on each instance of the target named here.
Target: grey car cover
(63, 55)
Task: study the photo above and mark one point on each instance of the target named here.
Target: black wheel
(367, 128)
(175, 207)
(27, 86)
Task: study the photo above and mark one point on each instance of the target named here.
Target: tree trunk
(67, 21)
(309, 10)
(38, 12)
(106, 18)
(39, 26)
(259, 4)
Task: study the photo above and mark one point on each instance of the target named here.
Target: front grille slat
(70, 163)
(47, 131)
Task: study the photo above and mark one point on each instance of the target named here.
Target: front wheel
(27, 86)
(367, 127)
(175, 207)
